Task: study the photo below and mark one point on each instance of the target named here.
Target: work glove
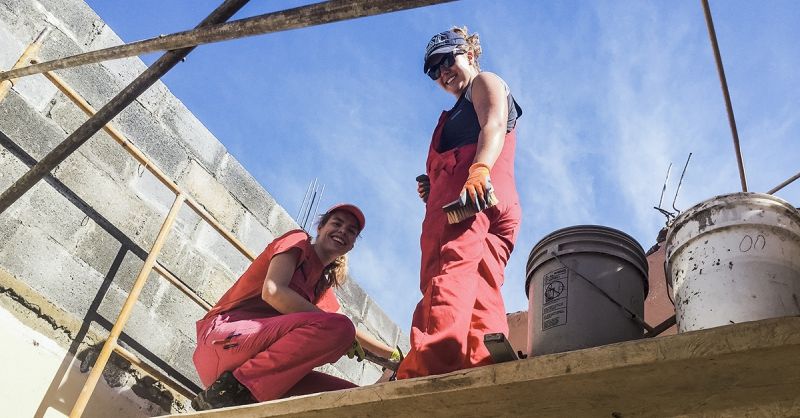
(356, 351)
(478, 186)
(423, 187)
(396, 356)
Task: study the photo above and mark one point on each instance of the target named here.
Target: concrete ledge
(748, 368)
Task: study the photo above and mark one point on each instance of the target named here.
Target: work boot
(224, 392)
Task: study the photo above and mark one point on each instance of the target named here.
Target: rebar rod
(315, 210)
(24, 60)
(110, 110)
(299, 17)
(302, 204)
(680, 181)
(784, 184)
(712, 34)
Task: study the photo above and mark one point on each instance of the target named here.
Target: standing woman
(279, 321)
(463, 264)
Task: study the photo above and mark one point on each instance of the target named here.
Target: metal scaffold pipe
(784, 184)
(712, 34)
(110, 110)
(299, 17)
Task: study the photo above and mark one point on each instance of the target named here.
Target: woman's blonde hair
(473, 44)
(335, 273)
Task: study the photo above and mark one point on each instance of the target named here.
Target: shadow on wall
(54, 398)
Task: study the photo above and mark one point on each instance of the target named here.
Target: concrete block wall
(79, 238)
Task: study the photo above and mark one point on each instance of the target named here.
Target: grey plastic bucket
(577, 279)
(734, 258)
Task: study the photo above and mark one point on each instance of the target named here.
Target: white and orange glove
(478, 186)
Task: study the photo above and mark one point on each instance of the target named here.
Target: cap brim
(437, 52)
(353, 210)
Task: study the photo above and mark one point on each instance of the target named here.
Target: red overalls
(462, 265)
(270, 353)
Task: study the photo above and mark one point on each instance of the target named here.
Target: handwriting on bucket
(748, 243)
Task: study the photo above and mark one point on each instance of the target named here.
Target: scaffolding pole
(784, 184)
(296, 18)
(110, 110)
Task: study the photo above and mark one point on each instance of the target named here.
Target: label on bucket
(554, 308)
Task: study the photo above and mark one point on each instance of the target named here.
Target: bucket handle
(632, 314)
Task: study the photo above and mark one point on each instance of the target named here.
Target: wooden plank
(748, 368)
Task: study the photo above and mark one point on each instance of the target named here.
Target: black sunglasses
(448, 60)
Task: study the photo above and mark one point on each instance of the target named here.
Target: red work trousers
(273, 357)
(462, 267)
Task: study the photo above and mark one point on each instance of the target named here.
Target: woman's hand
(356, 351)
(423, 187)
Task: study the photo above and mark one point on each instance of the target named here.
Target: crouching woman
(281, 319)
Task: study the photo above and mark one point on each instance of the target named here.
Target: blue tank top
(462, 126)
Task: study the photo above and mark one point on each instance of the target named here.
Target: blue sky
(612, 92)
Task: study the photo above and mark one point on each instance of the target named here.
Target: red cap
(351, 209)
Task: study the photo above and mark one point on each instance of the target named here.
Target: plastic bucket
(577, 280)
(734, 258)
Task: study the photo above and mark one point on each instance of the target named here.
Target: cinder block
(98, 248)
(47, 210)
(142, 326)
(151, 190)
(49, 269)
(11, 169)
(158, 144)
(111, 199)
(175, 308)
(181, 357)
(217, 282)
(349, 368)
(100, 148)
(379, 323)
(245, 188)
(213, 196)
(191, 267)
(33, 132)
(252, 234)
(92, 81)
(10, 47)
(200, 142)
(214, 247)
(352, 298)
(333, 371)
(23, 18)
(370, 374)
(35, 89)
(403, 342)
(75, 18)
(279, 221)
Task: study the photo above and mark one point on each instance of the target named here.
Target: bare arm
(491, 105)
(276, 290)
(372, 344)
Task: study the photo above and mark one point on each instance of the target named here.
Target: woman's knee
(339, 329)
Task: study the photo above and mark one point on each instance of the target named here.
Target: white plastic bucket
(734, 258)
